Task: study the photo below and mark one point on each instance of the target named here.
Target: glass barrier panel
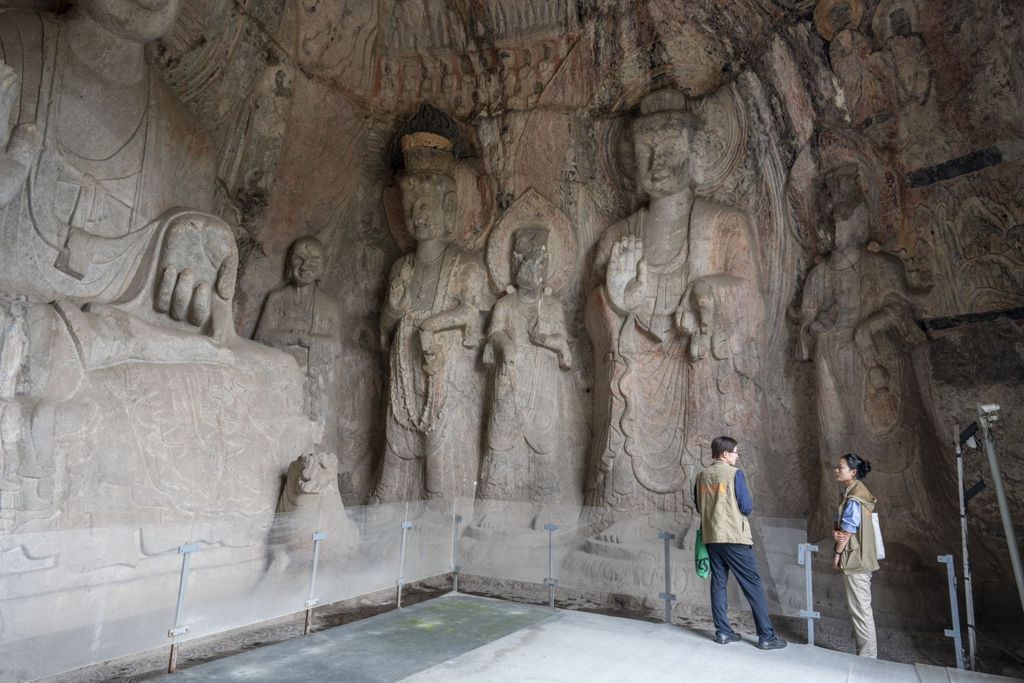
(368, 560)
(248, 571)
(71, 598)
(428, 550)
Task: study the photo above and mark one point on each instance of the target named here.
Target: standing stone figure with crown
(432, 324)
(674, 314)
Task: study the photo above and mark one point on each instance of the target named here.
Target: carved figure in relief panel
(304, 321)
(527, 345)
(674, 317)
(903, 52)
(857, 325)
(431, 324)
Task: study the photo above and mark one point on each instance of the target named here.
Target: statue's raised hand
(627, 275)
(198, 267)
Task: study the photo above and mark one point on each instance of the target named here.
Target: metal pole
(804, 557)
(313, 600)
(954, 607)
(551, 581)
(406, 525)
(985, 417)
(179, 612)
(668, 596)
(972, 638)
(456, 567)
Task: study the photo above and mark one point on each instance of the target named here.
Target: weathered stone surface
(284, 117)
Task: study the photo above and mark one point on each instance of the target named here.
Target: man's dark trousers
(740, 560)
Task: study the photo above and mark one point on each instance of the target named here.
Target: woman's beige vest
(860, 554)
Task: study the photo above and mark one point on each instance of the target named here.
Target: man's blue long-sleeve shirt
(743, 497)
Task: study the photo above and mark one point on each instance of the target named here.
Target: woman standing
(856, 555)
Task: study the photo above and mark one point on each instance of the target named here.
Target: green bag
(700, 556)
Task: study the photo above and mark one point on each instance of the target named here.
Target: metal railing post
(179, 612)
(668, 596)
(318, 536)
(551, 581)
(954, 608)
(805, 558)
(986, 415)
(456, 567)
(406, 525)
(972, 640)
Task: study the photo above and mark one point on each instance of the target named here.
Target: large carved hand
(198, 267)
(627, 275)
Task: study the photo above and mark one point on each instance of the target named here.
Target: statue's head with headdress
(428, 186)
(662, 140)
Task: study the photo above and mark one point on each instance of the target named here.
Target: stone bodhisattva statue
(304, 321)
(857, 325)
(527, 344)
(674, 317)
(431, 324)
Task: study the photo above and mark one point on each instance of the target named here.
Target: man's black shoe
(723, 639)
(776, 644)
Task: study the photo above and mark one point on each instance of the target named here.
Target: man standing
(724, 502)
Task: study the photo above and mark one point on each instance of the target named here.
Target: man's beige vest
(720, 517)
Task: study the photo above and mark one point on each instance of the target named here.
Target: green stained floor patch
(387, 647)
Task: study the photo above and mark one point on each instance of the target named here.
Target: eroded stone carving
(304, 321)
(431, 324)
(857, 325)
(527, 345)
(311, 502)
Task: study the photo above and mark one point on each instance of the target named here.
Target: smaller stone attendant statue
(303, 320)
(527, 340)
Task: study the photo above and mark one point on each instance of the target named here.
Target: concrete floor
(468, 638)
